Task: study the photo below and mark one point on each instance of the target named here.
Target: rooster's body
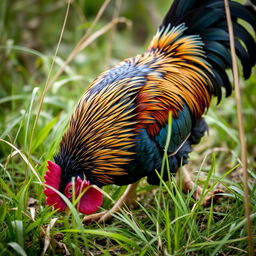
(119, 128)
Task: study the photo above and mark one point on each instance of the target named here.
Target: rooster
(118, 131)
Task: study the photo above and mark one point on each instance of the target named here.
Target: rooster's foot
(189, 185)
(127, 198)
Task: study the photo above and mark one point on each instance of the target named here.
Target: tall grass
(167, 222)
(241, 130)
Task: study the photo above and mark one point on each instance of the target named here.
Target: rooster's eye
(68, 191)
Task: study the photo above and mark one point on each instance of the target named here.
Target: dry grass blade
(81, 45)
(112, 34)
(48, 236)
(78, 48)
(241, 130)
(24, 158)
(98, 16)
(49, 74)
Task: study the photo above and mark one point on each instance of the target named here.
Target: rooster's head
(90, 197)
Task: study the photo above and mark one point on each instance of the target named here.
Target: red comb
(52, 178)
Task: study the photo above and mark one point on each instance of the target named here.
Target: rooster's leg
(127, 198)
(189, 185)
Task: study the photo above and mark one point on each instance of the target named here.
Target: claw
(212, 195)
(188, 185)
(93, 217)
(126, 199)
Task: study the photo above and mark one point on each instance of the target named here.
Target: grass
(167, 222)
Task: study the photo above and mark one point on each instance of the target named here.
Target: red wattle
(91, 201)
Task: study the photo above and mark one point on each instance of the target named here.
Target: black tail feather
(207, 18)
